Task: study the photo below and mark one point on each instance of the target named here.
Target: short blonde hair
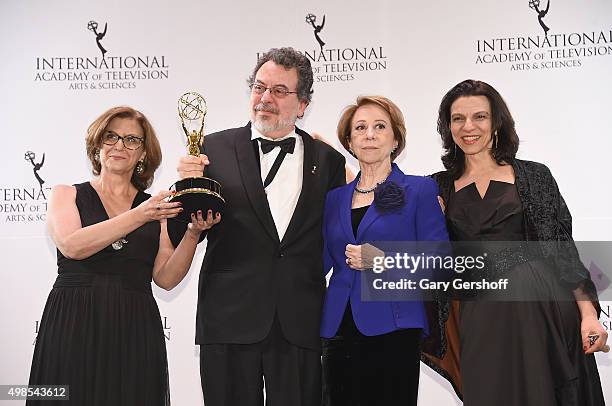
(153, 155)
(397, 121)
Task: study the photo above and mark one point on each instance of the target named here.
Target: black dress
(101, 330)
(518, 353)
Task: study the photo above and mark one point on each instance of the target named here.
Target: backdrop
(65, 62)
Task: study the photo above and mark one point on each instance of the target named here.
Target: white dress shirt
(284, 190)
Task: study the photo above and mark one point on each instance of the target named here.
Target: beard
(266, 125)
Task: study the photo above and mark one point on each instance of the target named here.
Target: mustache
(267, 107)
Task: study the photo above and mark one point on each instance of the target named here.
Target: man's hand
(192, 166)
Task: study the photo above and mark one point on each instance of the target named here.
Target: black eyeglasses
(276, 91)
(130, 142)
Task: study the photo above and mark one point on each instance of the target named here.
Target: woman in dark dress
(101, 332)
(536, 351)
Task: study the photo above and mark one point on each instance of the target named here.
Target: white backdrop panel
(416, 52)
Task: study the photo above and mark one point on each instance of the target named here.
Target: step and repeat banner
(65, 62)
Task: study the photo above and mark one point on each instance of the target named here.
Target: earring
(393, 150)
(350, 150)
(140, 167)
(454, 150)
(97, 155)
(495, 140)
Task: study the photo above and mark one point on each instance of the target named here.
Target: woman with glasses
(533, 343)
(101, 332)
(371, 349)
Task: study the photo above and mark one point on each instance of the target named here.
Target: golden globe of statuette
(197, 193)
(192, 110)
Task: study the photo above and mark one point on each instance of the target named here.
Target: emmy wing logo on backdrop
(312, 20)
(93, 27)
(30, 157)
(554, 50)
(93, 72)
(26, 203)
(333, 59)
(535, 5)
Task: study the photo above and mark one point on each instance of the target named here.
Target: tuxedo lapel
(250, 175)
(309, 192)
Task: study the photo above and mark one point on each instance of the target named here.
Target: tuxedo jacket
(419, 219)
(248, 275)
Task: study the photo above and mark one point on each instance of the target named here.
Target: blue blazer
(420, 219)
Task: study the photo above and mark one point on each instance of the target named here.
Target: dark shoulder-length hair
(153, 155)
(505, 143)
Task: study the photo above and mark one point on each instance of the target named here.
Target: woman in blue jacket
(371, 349)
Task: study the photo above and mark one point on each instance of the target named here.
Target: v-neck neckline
(102, 203)
(473, 186)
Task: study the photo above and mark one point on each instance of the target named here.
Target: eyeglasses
(130, 142)
(276, 91)
(362, 129)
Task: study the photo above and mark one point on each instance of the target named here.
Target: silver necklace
(366, 191)
(370, 190)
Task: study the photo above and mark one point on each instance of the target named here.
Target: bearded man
(261, 285)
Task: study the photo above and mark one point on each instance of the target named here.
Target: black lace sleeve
(550, 222)
(568, 260)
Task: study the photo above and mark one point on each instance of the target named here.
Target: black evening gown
(518, 353)
(101, 331)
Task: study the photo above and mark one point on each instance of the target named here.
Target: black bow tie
(287, 145)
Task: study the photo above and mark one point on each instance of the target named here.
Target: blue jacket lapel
(373, 213)
(344, 210)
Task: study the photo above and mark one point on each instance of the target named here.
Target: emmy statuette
(197, 193)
